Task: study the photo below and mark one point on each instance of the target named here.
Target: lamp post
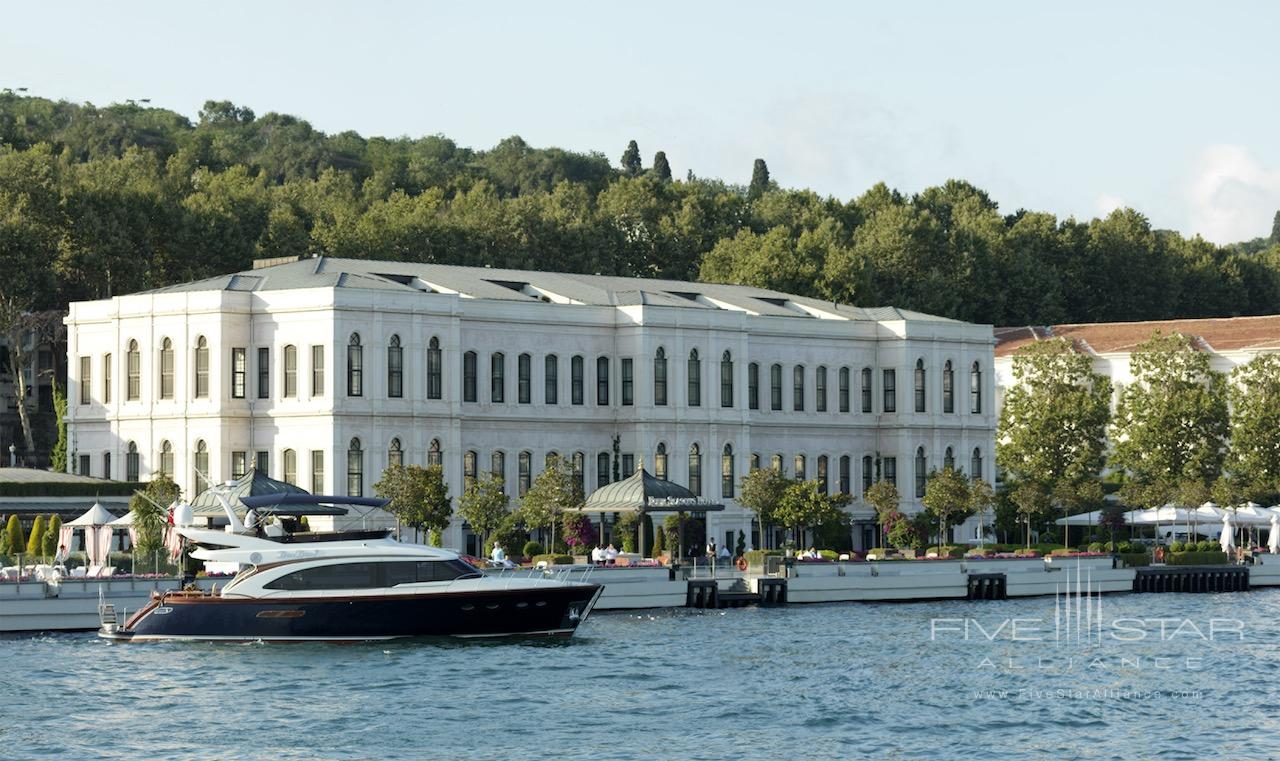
(13, 456)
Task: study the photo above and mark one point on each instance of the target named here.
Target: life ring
(742, 563)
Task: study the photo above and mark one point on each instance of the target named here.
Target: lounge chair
(93, 572)
(79, 572)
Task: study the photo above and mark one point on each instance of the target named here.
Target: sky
(1074, 108)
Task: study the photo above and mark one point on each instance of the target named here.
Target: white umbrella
(1273, 538)
(1227, 540)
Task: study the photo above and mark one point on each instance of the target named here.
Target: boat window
(340, 576)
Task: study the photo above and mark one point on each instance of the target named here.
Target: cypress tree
(631, 160)
(13, 532)
(51, 533)
(661, 169)
(4, 539)
(1275, 229)
(35, 542)
(759, 179)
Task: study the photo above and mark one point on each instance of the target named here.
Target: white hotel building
(323, 371)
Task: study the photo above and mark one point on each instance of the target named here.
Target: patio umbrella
(1227, 540)
(1273, 538)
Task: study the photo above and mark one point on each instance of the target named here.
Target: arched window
(497, 377)
(355, 366)
(660, 462)
(602, 469)
(846, 477)
(975, 389)
(602, 381)
(355, 469)
(775, 462)
(800, 465)
(695, 470)
(200, 466)
(921, 476)
(435, 455)
(133, 373)
(524, 379)
(866, 390)
(524, 468)
(949, 459)
(726, 472)
(470, 465)
(753, 386)
(660, 377)
(755, 461)
(549, 459)
(695, 379)
(289, 462)
(166, 369)
(726, 380)
(823, 481)
(868, 475)
(919, 385)
(202, 368)
(435, 370)
(551, 380)
(975, 464)
(395, 368)
(469, 376)
(166, 459)
(820, 389)
(498, 467)
(290, 363)
(576, 382)
(797, 388)
(395, 455)
(948, 388)
(844, 389)
(580, 470)
(775, 387)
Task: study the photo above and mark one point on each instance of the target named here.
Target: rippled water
(814, 681)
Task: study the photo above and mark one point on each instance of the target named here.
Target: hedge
(62, 489)
(1197, 558)
(1135, 559)
(756, 557)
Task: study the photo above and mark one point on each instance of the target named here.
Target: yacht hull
(551, 610)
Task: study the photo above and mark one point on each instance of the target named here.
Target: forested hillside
(99, 201)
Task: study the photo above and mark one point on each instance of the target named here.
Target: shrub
(553, 559)
(756, 557)
(1207, 545)
(945, 551)
(1177, 546)
(1135, 559)
(1197, 557)
(531, 548)
(1094, 547)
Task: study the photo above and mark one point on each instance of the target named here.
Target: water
(815, 681)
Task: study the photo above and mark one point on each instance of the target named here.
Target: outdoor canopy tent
(96, 522)
(642, 493)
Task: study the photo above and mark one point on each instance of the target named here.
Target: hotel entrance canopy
(642, 493)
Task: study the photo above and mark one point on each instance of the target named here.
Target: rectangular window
(797, 388)
(239, 464)
(845, 478)
(86, 363)
(290, 372)
(84, 465)
(202, 369)
(470, 466)
(602, 469)
(948, 389)
(106, 378)
(890, 390)
(628, 465)
(867, 474)
(524, 473)
(264, 373)
(628, 382)
(239, 362)
(602, 381)
(918, 383)
(891, 470)
(497, 377)
(355, 473)
(317, 471)
(820, 389)
(975, 390)
(775, 387)
(469, 377)
(524, 379)
(166, 370)
(317, 371)
(660, 378)
(753, 386)
(106, 465)
(844, 389)
(262, 463)
(435, 370)
(551, 380)
(132, 466)
(395, 369)
(133, 382)
(726, 381)
(289, 463)
(355, 367)
(576, 380)
(866, 390)
(695, 379)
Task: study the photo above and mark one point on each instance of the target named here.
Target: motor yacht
(344, 586)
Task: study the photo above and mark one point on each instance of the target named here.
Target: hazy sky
(1171, 108)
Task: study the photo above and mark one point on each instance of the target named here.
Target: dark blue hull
(553, 610)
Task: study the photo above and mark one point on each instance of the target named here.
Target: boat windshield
(246, 570)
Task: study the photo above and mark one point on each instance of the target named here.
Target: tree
(555, 490)
(1031, 504)
(52, 532)
(24, 331)
(631, 166)
(1171, 424)
(741, 547)
(661, 169)
(761, 491)
(759, 180)
(1254, 395)
(580, 533)
(58, 457)
(804, 504)
(484, 505)
(1275, 230)
(14, 541)
(884, 499)
(35, 541)
(948, 498)
(659, 541)
(419, 497)
(149, 507)
(981, 499)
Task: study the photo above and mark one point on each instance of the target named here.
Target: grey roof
(36, 476)
(641, 492)
(253, 483)
(534, 286)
